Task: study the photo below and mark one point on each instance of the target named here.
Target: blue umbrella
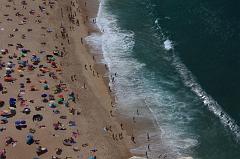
(29, 139)
(17, 123)
(12, 102)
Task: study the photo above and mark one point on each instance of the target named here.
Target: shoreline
(129, 127)
(79, 87)
(142, 147)
(90, 12)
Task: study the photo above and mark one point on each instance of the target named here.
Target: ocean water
(180, 60)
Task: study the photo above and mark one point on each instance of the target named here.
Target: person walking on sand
(148, 147)
(121, 126)
(134, 119)
(133, 139)
(81, 40)
(146, 153)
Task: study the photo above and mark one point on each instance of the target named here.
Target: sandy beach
(54, 100)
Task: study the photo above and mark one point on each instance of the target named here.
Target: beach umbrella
(22, 85)
(44, 95)
(37, 117)
(2, 103)
(4, 113)
(8, 79)
(60, 95)
(45, 86)
(60, 100)
(24, 50)
(51, 97)
(10, 64)
(29, 139)
(20, 123)
(8, 69)
(12, 102)
(22, 63)
(93, 149)
(57, 53)
(23, 122)
(2, 154)
(66, 104)
(35, 58)
(17, 123)
(52, 104)
(4, 119)
(72, 123)
(12, 110)
(1, 87)
(26, 110)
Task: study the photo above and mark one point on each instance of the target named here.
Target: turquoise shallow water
(181, 60)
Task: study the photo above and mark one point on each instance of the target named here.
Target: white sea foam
(212, 105)
(191, 82)
(133, 89)
(168, 45)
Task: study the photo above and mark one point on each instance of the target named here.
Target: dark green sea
(180, 59)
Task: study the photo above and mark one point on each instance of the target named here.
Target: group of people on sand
(30, 82)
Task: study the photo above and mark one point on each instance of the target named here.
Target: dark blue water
(207, 34)
(181, 60)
